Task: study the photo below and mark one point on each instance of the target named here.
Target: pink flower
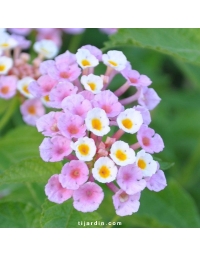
(71, 126)
(88, 197)
(145, 114)
(45, 65)
(87, 95)
(64, 72)
(107, 101)
(55, 149)
(150, 141)
(42, 87)
(129, 178)
(67, 58)
(126, 204)
(157, 181)
(47, 124)
(8, 86)
(148, 98)
(93, 50)
(134, 78)
(77, 105)
(32, 110)
(59, 92)
(55, 192)
(74, 174)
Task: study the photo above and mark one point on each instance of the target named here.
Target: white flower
(5, 65)
(22, 86)
(97, 121)
(115, 59)
(92, 83)
(6, 41)
(85, 148)
(104, 170)
(47, 48)
(130, 120)
(122, 154)
(46, 101)
(146, 163)
(85, 59)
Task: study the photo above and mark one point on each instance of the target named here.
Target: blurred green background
(171, 58)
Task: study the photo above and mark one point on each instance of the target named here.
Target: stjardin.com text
(99, 223)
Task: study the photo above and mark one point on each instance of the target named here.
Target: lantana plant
(79, 130)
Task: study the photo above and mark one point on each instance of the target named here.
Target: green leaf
(18, 215)
(65, 216)
(18, 144)
(182, 43)
(163, 165)
(172, 207)
(30, 170)
(8, 112)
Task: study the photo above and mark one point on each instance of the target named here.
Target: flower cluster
(17, 70)
(80, 130)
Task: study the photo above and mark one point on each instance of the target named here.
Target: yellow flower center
(96, 124)
(85, 63)
(113, 63)
(46, 98)
(104, 172)
(75, 173)
(4, 45)
(120, 155)
(2, 67)
(142, 164)
(127, 123)
(92, 86)
(5, 89)
(32, 110)
(25, 89)
(84, 149)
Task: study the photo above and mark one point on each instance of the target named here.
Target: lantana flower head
(81, 130)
